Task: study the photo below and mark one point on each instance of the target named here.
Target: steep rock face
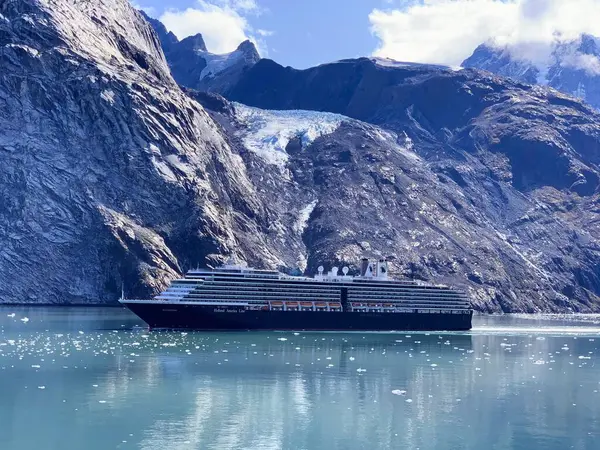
(521, 160)
(572, 67)
(110, 173)
(193, 66)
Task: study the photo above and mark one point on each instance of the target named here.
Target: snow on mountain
(268, 133)
(572, 67)
(194, 66)
(216, 64)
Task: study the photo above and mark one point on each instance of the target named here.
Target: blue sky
(301, 33)
(304, 33)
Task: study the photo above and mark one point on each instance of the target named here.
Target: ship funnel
(370, 271)
(364, 264)
(382, 268)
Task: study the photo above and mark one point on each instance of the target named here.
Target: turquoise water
(94, 378)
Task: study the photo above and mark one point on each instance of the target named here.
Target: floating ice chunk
(101, 401)
(360, 370)
(408, 400)
(539, 362)
(584, 357)
(282, 339)
(352, 358)
(25, 319)
(11, 315)
(41, 387)
(434, 365)
(398, 392)
(35, 366)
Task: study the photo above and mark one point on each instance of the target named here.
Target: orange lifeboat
(335, 305)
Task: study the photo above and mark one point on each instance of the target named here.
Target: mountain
(572, 67)
(111, 175)
(520, 163)
(193, 66)
(114, 175)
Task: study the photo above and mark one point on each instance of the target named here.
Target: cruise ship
(236, 297)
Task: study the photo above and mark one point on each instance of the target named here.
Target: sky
(305, 33)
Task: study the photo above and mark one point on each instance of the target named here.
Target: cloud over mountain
(447, 31)
(223, 23)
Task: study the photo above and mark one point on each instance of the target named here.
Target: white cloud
(223, 23)
(265, 33)
(150, 10)
(447, 31)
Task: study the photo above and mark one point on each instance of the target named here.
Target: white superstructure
(334, 291)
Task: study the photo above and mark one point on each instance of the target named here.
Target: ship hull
(160, 315)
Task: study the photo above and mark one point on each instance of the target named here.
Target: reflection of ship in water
(241, 354)
(234, 297)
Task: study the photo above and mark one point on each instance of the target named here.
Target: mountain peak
(195, 43)
(570, 66)
(248, 48)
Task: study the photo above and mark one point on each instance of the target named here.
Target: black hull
(200, 317)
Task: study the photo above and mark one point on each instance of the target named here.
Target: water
(94, 378)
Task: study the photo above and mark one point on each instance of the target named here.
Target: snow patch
(32, 51)
(108, 95)
(303, 217)
(218, 63)
(267, 133)
(387, 62)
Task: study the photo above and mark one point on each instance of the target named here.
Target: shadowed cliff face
(520, 162)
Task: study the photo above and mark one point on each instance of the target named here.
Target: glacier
(268, 132)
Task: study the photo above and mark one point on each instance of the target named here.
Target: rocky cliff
(110, 174)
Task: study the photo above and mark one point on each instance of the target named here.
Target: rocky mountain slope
(572, 67)
(193, 66)
(520, 164)
(112, 174)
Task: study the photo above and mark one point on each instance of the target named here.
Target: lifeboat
(276, 303)
(321, 305)
(291, 305)
(335, 306)
(306, 304)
